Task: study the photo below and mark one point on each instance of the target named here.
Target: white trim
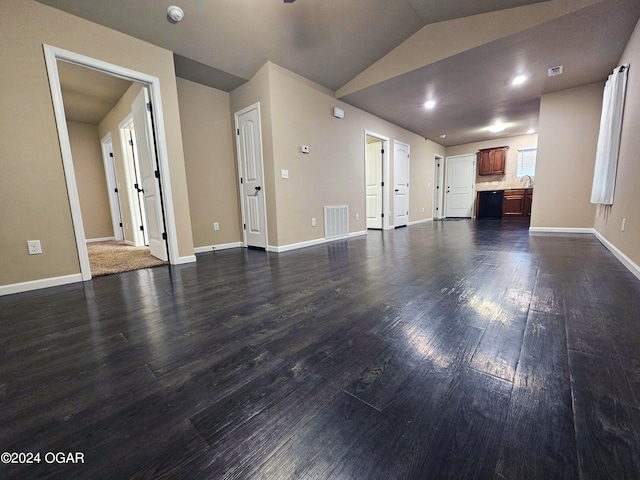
(106, 145)
(560, 230)
(52, 55)
(416, 222)
(187, 259)
(102, 239)
(626, 261)
(312, 243)
(39, 284)
(215, 248)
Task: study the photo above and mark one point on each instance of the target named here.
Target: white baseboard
(560, 230)
(130, 243)
(311, 243)
(103, 239)
(39, 284)
(220, 246)
(626, 261)
(187, 259)
(424, 220)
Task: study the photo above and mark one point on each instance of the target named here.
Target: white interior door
(373, 178)
(460, 185)
(249, 142)
(112, 187)
(149, 177)
(401, 184)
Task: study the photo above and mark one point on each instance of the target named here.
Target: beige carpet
(115, 257)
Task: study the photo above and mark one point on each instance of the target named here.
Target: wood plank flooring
(453, 350)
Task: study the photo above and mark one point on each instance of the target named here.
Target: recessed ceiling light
(531, 130)
(499, 127)
(519, 80)
(430, 104)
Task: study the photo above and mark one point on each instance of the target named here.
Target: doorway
(460, 186)
(163, 198)
(112, 187)
(251, 171)
(401, 156)
(376, 165)
(438, 175)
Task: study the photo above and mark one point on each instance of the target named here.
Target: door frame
(52, 56)
(438, 190)
(137, 215)
(236, 116)
(112, 186)
(386, 208)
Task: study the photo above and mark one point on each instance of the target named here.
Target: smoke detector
(175, 13)
(553, 71)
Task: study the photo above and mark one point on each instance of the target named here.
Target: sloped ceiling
(389, 56)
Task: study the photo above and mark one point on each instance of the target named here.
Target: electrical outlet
(216, 226)
(313, 222)
(357, 217)
(34, 247)
(624, 223)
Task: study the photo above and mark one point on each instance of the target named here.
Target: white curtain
(604, 175)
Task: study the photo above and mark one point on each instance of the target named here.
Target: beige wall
(568, 132)
(509, 179)
(627, 192)
(210, 163)
(29, 148)
(88, 166)
(333, 172)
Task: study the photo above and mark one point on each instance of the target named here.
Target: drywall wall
(332, 173)
(210, 164)
(90, 176)
(627, 193)
(29, 148)
(509, 179)
(567, 136)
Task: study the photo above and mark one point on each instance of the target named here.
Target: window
(526, 162)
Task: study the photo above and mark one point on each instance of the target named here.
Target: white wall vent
(553, 71)
(336, 221)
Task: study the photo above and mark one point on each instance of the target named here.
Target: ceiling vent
(553, 71)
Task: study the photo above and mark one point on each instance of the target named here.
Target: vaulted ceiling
(389, 57)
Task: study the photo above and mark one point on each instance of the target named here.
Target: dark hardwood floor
(445, 350)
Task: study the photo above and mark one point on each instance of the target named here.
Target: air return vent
(336, 221)
(553, 71)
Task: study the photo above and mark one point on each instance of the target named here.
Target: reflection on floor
(444, 350)
(116, 257)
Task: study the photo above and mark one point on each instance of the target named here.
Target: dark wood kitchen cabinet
(517, 202)
(491, 161)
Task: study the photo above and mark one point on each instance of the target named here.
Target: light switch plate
(285, 173)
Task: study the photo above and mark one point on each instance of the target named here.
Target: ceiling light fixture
(444, 135)
(519, 80)
(531, 130)
(175, 13)
(430, 104)
(497, 128)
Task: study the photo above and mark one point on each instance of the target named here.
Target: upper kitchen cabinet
(491, 161)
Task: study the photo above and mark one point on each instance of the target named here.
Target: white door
(112, 187)
(460, 185)
(401, 184)
(149, 177)
(249, 142)
(373, 176)
(439, 178)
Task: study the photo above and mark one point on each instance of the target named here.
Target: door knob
(397, 190)
(258, 189)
